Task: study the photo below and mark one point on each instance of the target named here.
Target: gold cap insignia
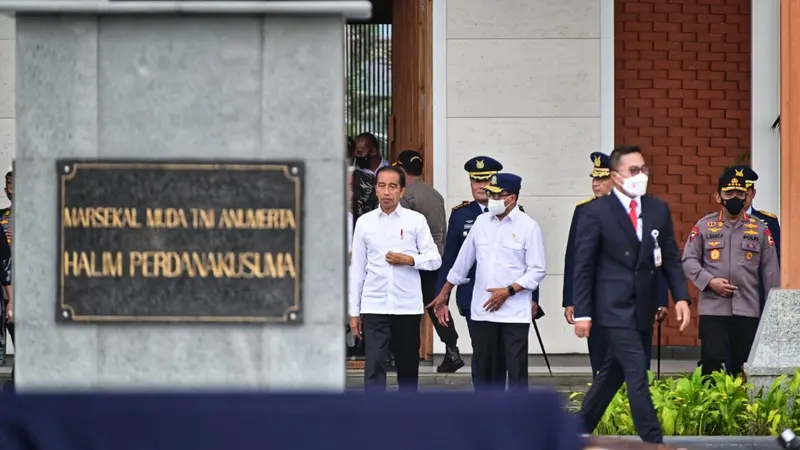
(480, 164)
(415, 158)
(597, 161)
(739, 173)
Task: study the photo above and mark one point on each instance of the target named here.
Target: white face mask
(635, 186)
(497, 207)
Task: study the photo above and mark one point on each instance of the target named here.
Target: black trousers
(626, 362)
(724, 337)
(499, 379)
(447, 334)
(398, 333)
(496, 344)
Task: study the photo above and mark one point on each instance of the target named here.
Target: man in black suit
(621, 240)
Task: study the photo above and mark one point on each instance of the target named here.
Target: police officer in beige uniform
(727, 255)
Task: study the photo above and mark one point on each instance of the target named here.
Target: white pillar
(607, 89)
(765, 102)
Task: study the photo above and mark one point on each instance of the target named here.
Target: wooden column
(411, 124)
(790, 144)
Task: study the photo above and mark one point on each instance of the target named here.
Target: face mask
(635, 186)
(363, 162)
(734, 205)
(497, 207)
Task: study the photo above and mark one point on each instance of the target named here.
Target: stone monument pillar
(180, 194)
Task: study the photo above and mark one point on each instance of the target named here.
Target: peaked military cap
(481, 168)
(735, 178)
(504, 182)
(409, 159)
(602, 165)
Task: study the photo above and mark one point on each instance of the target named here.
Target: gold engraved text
(246, 265)
(257, 219)
(90, 264)
(101, 217)
(166, 218)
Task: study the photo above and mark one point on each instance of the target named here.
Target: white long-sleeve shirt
(377, 287)
(506, 251)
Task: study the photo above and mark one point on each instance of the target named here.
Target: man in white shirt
(391, 245)
(508, 249)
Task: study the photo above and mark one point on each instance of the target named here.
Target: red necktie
(633, 216)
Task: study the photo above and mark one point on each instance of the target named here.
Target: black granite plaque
(180, 241)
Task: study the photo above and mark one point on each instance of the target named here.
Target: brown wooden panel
(412, 107)
(790, 144)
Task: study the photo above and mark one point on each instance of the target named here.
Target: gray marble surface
(202, 88)
(776, 349)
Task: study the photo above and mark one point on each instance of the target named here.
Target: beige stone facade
(524, 86)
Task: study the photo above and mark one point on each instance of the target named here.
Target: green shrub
(716, 405)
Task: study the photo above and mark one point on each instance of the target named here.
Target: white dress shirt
(506, 251)
(349, 231)
(626, 204)
(377, 287)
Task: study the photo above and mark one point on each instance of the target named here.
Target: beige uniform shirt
(742, 252)
(427, 201)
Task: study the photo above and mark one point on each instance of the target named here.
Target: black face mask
(363, 162)
(734, 205)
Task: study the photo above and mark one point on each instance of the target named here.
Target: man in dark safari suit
(601, 185)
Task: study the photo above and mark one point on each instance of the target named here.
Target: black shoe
(452, 361)
(389, 363)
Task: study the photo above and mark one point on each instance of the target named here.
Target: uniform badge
(714, 243)
(769, 237)
(749, 256)
(751, 232)
(711, 224)
(713, 230)
(714, 255)
(751, 225)
(694, 233)
(751, 246)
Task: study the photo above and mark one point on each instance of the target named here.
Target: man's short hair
(619, 152)
(396, 170)
(371, 137)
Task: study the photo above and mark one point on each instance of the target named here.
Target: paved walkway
(571, 373)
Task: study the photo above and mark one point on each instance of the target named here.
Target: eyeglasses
(636, 170)
(498, 195)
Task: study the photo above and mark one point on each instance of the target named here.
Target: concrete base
(775, 351)
(204, 87)
(704, 442)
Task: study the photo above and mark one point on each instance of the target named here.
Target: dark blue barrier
(354, 421)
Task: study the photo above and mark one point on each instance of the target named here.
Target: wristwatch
(511, 291)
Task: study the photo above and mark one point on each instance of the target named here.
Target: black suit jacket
(616, 282)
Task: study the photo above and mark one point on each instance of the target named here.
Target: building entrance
(389, 83)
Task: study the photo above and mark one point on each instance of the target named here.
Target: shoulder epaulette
(583, 202)
(768, 214)
(463, 204)
(708, 216)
